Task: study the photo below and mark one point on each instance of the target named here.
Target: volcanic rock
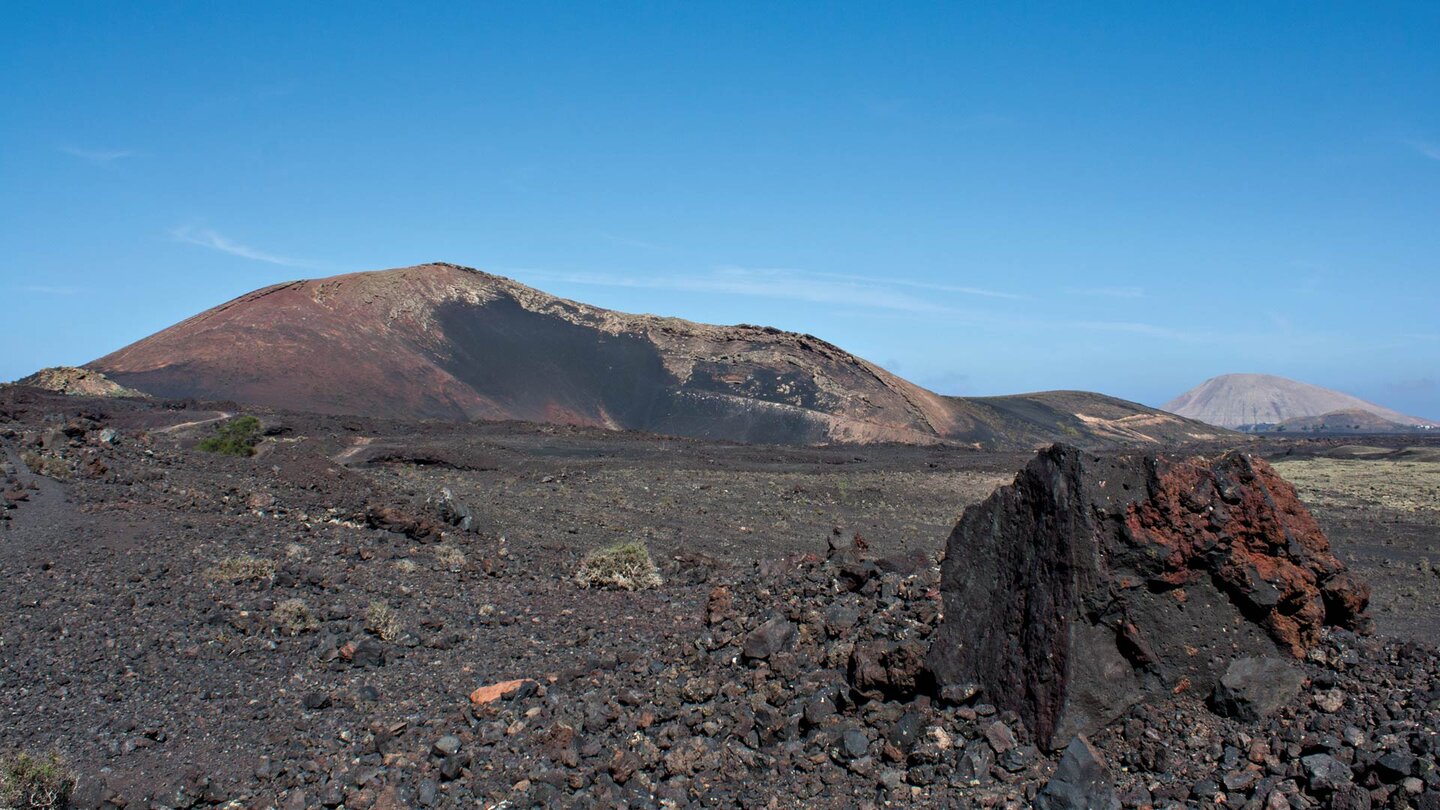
(1325, 773)
(446, 746)
(1252, 688)
(1090, 582)
(1351, 797)
(78, 382)
(397, 519)
(496, 691)
(880, 668)
(455, 511)
(1395, 766)
(1081, 782)
(769, 638)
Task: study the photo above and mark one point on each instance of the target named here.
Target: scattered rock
(854, 744)
(1000, 737)
(1325, 773)
(769, 638)
(887, 669)
(1329, 700)
(1252, 688)
(1081, 782)
(446, 746)
(496, 691)
(401, 521)
(648, 697)
(455, 511)
(1351, 797)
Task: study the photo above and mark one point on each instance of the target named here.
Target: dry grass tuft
(241, 569)
(624, 566)
(48, 464)
(293, 617)
(383, 621)
(449, 556)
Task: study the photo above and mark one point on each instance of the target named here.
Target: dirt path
(345, 456)
(46, 510)
(174, 428)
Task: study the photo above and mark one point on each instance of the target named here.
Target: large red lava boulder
(1093, 581)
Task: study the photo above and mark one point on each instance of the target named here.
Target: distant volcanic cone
(1248, 400)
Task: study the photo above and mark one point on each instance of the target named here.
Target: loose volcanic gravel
(286, 631)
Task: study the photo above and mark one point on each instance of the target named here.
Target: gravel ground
(149, 630)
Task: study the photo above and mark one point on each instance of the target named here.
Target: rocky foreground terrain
(383, 614)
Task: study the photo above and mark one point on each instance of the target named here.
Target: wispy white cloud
(635, 243)
(1428, 149)
(918, 285)
(44, 289)
(1280, 339)
(1109, 292)
(97, 155)
(789, 285)
(207, 238)
(881, 298)
(1129, 327)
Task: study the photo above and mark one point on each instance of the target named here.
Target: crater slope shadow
(543, 368)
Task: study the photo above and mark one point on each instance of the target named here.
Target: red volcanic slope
(449, 342)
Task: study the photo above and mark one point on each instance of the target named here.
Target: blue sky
(1127, 198)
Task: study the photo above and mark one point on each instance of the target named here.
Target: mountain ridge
(444, 341)
(1241, 400)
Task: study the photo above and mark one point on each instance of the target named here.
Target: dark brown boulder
(880, 669)
(397, 519)
(1092, 581)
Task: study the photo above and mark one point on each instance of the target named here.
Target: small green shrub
(236, 437)
(33, 783)
(383, 621)
(293, 617)
(241, 569)
(626, 566)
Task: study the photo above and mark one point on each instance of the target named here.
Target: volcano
(1250, 400)
(449, 342)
